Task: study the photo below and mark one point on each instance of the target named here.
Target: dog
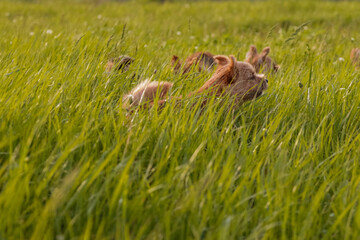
(355, 57)
(202, 61)
(262, 60)
(234, 78)
(238, 79)
(146, 92)
(121, 63)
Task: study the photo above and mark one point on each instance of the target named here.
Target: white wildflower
(49, 31)
(60, 237)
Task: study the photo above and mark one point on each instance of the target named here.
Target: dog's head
(121, 64)
(236, 78)
(261, 60)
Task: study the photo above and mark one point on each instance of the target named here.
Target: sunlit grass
(74, 165)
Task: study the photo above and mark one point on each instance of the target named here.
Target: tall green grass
(74, 165)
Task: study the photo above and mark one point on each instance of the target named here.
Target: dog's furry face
(238, 79)
(355, 57)
(204, 61)
(121, 63)
(261, 60)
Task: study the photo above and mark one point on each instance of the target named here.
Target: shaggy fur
(237, 79)
(203, 61)
(121, 64)
(262, 60)
(355, 57)
(146, 92)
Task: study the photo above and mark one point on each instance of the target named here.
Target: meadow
(74, 165)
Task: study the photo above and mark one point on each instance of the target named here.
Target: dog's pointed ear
(264, 53)
(226, 67)
(251, 53)
(222, 60)
(175, 63)
(174, 59)
(232, 62)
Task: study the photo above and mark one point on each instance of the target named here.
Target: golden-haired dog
(234, 78)
(146, 92)
(261, 60)
(201, 61)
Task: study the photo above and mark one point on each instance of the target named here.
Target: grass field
(73, 166)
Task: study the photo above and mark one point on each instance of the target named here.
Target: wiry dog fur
(203, 61)
(262, 60)
(121, 64)
(355, 57)
(146, 92)
(237, 79)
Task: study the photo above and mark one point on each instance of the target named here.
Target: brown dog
(262, 60)
(355, 57)
(121, 64)
(237, 79)
(203, 61)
